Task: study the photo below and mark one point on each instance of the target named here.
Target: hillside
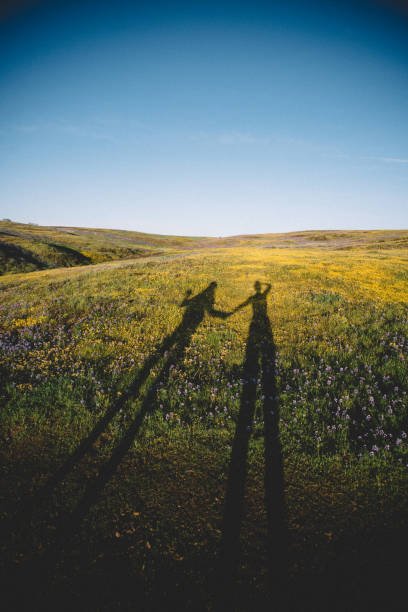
(326, 239)
(27, 247)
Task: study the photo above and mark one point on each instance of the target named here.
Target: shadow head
(257, 286)
(209, 292)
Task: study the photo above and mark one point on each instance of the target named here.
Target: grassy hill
(25, 247)
(326, 239)
(145, 419)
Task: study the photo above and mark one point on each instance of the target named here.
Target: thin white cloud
(236, 137)
(232, 138)
(385, 159)
(49, 126)
(94, 129)
(27, 128)
(97, 128)
(394, 160)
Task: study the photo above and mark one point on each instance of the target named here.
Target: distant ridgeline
(25, 248)
(28, 247)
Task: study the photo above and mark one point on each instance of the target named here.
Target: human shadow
(259, 363)
(169, 352)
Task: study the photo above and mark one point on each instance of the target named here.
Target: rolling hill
(29, 247)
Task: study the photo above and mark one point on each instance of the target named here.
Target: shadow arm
(221, 314)
(187, 298)
(242, 305)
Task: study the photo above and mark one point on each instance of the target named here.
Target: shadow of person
(259, 363)
(169, 351)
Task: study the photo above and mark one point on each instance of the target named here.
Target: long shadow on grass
(169, 352)
(259, 363)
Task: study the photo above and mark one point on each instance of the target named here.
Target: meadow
(129, 424)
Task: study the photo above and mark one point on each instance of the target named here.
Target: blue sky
(205, 118)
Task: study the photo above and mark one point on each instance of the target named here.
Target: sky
(204, 118)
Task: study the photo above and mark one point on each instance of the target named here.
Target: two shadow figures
(259, 364)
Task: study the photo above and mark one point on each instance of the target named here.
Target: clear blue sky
(205, 118)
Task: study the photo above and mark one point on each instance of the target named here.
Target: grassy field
(28, 247)
(160, 449)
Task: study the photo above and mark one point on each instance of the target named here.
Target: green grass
(28, 247)
(73, 339)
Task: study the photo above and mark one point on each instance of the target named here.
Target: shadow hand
(225, 315)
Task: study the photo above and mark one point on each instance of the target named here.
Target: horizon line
(214, 237)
